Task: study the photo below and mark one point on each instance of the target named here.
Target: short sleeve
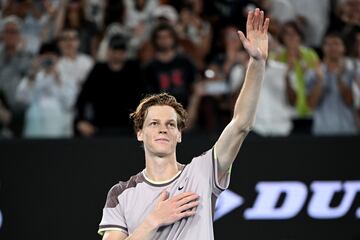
(207, 164)
(113, 213)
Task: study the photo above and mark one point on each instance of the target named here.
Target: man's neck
(115, 67)
(166, 56)
(71, 56)
(333, 62)
(161, 169)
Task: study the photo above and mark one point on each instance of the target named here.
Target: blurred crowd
(79, 67)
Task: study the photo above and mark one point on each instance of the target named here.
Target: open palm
(256, 40)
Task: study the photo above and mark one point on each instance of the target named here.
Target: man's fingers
(256, 19)
(266, 25)
(188, 206)
(250, 21)
(183, 195)
(187, 200)
(242, 37)
(261, 22)
(186, 214)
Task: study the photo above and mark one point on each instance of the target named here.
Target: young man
(168, 200)
(169, 70)
(330, 94)
(110, 90)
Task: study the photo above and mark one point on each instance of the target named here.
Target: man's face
(116, 56)
(165, 40)
(231, 39)
(160, 133)
(333, 47)
(11, 35)
(291, 37)
(69, 42)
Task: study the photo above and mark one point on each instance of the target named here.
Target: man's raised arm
(256, 44)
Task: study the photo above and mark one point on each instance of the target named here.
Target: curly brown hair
(161, 99)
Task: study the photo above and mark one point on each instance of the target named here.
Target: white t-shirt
(273, 116)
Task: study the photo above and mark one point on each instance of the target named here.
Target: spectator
(274, 114)
(330, 92)
(273, 117)
(95, 12)
(353, 62)
(109, 94)
(5, 117)
(114, 12)
(163, 14)
(73, 65)
(299, 60)
(14, 65)
(169, 71)
(313, 16)
(36, 18)
(113, 29)
(196, 34)
(138, 22)
(138, 13)
(47, 95)
(73, 68)
(72, 15)
(345, 19)
(223, 78)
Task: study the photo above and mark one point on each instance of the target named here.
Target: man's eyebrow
(172, 121)
(158, 120)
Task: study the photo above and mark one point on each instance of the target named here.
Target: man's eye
(172, 124)
(153, 123)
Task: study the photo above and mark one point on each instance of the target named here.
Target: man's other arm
(256, 44)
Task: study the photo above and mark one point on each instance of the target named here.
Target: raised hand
(256, 40)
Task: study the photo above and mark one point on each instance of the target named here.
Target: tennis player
(168, 200)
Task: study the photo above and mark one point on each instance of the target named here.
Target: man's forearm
(315, 94)
(145, 231)
(245, 107)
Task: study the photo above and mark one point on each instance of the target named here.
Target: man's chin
(162, 153)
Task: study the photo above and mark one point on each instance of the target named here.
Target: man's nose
(162, 129)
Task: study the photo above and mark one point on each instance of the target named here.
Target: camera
(47, 62)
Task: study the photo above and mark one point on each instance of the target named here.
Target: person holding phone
(46, 95)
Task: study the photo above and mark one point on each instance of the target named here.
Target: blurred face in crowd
(231, 39)
(11, 35)
(69, 43)
(140, 4)
(185, 16)
(116, 57)
(165, 40)
(74, 12)
(291, 37)
(350, 10)
(24, 7)
(333, 47)
(160, 133)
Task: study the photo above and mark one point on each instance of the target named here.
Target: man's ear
(139, 136)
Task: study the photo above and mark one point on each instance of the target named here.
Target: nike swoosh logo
(180, 188)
